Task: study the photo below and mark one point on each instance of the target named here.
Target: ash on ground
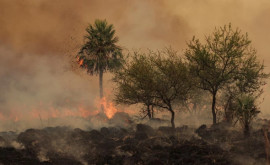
(133, 143)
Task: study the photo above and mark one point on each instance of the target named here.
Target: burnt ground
(138, 144)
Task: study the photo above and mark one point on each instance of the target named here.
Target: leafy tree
(250, 80)
(158, 79)
(225, 58)
(172, 80)
(135, 82)
(100, 53)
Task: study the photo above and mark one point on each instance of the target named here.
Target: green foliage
(172, 80)
(251, 77)
(218, 61)
(135, 84)
(100, 52)
(226, 60)
(245, 110)
(159, 79)
(135, 81)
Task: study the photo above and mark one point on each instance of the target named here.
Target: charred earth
(137, 144)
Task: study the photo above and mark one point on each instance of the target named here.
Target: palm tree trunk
(101, 89)
(246, 129)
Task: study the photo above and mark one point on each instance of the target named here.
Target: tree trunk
(172, 118)
(214, 108)
(152, 109)
(228, 111)
(101, 88)
(195, 108)
(148, 111)
(246, 130)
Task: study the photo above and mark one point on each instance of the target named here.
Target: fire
(109, 108)
(44, 111)
(80, 61)
(16, 119)
(80, 111)
(85, 113)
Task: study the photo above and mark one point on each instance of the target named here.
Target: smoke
(39, 40)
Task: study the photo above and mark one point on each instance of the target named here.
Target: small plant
(245, 111)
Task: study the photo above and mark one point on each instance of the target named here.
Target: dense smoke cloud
(56, 26)
(39, 40)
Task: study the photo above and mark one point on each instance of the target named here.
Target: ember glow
(80, 111)
(47, 111)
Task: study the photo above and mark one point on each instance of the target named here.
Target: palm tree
(100, 53)
(245, 111)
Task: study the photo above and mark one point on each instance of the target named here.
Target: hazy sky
(39, 39)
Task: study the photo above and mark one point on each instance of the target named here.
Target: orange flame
(16, 119)
(52, 112)
(80, 61)
(109, 108)
(47, 110)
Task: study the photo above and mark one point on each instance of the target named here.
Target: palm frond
(100, 51)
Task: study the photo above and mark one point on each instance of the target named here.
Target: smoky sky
(39, 40)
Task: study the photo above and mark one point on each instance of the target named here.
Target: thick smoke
(39, 40)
